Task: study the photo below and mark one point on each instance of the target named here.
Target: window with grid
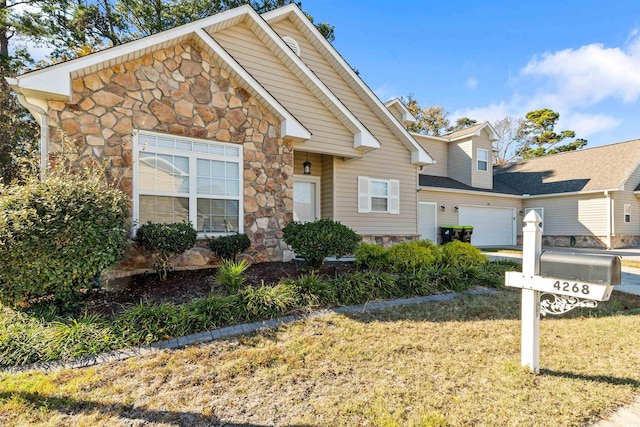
(483, 159)
(379, 195)
(627, 213)
(182, 179)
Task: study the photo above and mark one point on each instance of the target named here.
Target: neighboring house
(211, 123)
(586, 198)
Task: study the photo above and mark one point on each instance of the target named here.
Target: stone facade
(183, 92)
(386, 241)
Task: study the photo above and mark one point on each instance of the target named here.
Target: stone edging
(229, 331)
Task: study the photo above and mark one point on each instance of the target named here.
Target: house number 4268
(568, 287)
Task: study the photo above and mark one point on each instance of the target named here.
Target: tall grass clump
(266, 302)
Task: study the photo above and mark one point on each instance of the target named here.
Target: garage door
(491, 226)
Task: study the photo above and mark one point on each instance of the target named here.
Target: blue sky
(488, 59)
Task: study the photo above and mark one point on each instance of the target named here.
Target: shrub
(315, 241)
(457, 253)
(231, 276)
(228, 247)
(57, 235)
(147, 323)
(166, 241)
(371, 255)
(313, 291)
(360, 287)
(265, 302)
(407, 257)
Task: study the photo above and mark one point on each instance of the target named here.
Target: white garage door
(491, 226)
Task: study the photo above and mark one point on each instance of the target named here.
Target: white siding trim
(364, 195)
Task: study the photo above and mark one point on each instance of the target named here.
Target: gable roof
(407, 117)
(594, 169)
(419, 155)
(473, 131)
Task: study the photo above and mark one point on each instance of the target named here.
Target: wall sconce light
(306, 166)
(520, 212)
(456, 207)
(442, 207)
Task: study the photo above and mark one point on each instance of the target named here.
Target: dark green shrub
(266, 302)
(231, 276)
(407, 257)
(57, 235)
(315, 241)
(371, 255)
(147, 323)
(166, 241)
(419, 282)
(228, 247)
(313, 291)
(457, 253)
(363, 286)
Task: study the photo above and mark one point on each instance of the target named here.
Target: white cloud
(585, 76)
(483, 114)
(472, 83)
(587, 124)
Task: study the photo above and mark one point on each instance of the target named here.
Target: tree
(540, 137)
(510, 132)
(18, 133)
(462, 123)
(431, 120)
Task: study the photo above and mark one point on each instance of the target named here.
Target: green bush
(166, 241)
(266, 302)
(147, 323)
(57, 235)
(313, 291)
(228, 247)
(407, 257)
(457, 253)
(371, 255)
(231, 276)
(363, 286)
(315, 241)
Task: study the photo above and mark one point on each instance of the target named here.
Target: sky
(489, 59)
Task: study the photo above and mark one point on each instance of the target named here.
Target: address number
(572, 287)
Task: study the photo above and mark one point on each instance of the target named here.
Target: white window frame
(540, 212)
(192, 195)
(365, 195)
(627, 213)
(479, 160)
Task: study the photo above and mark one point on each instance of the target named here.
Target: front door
(306, 198)
(427, 222)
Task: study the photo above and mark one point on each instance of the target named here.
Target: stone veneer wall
(386, 241)
(183, 92)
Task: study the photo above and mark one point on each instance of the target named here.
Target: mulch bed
(186, 285)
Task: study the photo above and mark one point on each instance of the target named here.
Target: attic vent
(292, 44)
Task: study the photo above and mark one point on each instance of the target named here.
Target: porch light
(306, 166)
(456, 207)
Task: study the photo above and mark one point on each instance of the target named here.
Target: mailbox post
(571, 280)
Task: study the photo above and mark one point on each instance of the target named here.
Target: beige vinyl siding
(439, 150)
(620, 198)
(459, 163)
(449, 199)
(391, 161)
(299, 157)
(395, 110)
(326, 188)
(329, 135)
(571, 215)
(482, 179)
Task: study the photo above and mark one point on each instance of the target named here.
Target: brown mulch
(183, 286)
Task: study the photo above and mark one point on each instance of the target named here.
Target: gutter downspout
(609, 219)
(43, 145)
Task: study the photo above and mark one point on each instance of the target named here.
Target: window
(540, 212)
(483, 159)
(183, 179)
(378, 195)
(627, 213)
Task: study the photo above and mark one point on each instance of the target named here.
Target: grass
(446, 363)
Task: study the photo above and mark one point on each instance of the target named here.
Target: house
(214, 122)
(586, 198)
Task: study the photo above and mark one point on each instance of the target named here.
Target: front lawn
(444, 363)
